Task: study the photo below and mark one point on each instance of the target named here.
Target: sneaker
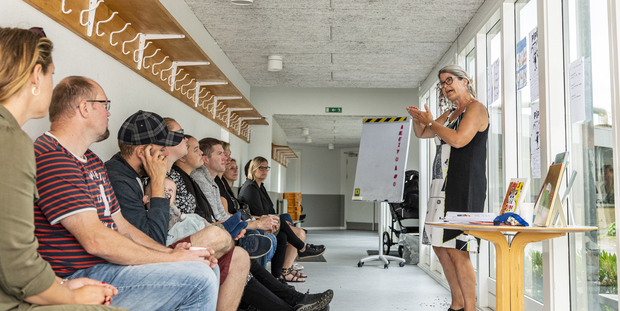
(315, 302)
(297, 267)
(311, 251)
(256, 245)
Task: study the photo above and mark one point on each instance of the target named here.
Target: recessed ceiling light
(242, 2)
(330, 146)
(308, 139)
(305, 131)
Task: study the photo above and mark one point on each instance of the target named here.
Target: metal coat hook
(145, 57)
(140, 50)
(132, 40)
(105, 21)
(115, 32)
(63, 8)
(155, 64)
(184, 85)
(161, 72)
(203, 96)
(173, 74)
(177, 81)
(92, 7)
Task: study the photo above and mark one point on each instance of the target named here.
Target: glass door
(593, 265)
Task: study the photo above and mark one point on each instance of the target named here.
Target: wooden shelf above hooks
(150, 17)
(281, 154)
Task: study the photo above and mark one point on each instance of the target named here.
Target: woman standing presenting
(26, 280)
(458, 178)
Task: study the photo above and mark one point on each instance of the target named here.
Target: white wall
(320, 170)
(380, 102)
(127, 90)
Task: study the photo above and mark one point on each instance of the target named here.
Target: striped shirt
(69, 185)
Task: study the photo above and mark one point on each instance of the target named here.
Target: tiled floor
(370, 287)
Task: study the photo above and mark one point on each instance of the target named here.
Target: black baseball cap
(144, 128)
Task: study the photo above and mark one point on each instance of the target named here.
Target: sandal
(295, 277)
(296, 273)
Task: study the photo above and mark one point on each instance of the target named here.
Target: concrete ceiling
(336, 43)
(342, 131)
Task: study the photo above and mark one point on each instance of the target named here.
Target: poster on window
(577, 91)
(535, 142)
(495, 80)
(533, 62)
(522, 63)
(489, 85)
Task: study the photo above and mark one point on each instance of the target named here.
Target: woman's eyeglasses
(445, 82)
(264, 168)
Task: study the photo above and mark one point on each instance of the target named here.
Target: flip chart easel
(380, 174)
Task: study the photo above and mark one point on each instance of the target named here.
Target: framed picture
(548, 195)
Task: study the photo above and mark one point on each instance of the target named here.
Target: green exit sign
(333, 109)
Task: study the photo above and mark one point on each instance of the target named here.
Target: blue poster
(522, 64)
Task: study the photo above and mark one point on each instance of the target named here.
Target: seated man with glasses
(80, 230)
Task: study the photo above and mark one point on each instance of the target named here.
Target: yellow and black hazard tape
(375, 120)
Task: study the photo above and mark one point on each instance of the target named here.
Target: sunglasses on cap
(39, 31)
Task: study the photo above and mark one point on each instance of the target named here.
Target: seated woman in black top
(253, 193)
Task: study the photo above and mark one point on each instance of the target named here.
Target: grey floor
(370, 287)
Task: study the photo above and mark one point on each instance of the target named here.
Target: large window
(593, 255)
(495, 145)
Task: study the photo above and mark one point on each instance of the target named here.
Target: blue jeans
(179, 286)
(265, 259)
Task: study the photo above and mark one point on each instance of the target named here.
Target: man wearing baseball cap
(145, 143)
(77, 221)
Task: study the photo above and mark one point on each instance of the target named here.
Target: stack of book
(457, 217)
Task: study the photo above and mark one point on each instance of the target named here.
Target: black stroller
(408, 209)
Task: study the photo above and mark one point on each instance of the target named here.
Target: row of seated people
(93, 237)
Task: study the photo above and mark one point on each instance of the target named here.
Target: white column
(553, 140)
(614, 62)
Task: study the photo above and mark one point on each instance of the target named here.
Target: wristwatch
(430, 123)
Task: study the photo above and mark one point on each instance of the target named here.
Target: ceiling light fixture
(308, 139)
(330, 146)
(242, 2)
(274, 63)
(305, 131)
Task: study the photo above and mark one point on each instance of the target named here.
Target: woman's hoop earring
(35, 88)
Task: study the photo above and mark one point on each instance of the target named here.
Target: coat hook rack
(246, 118)
(102, 22)
(184, 85)
(150, 37)
(92, 8)
(217, 98)
(230, 110)
(174, 86)
(206, 83)
(174, 72)
(156, 64)
(132, 40)
(136, 54)
(63, 8)
(115, 32)
(146, 57)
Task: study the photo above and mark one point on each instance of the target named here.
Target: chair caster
(401, 264)
(385, 266)
(360, 264)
